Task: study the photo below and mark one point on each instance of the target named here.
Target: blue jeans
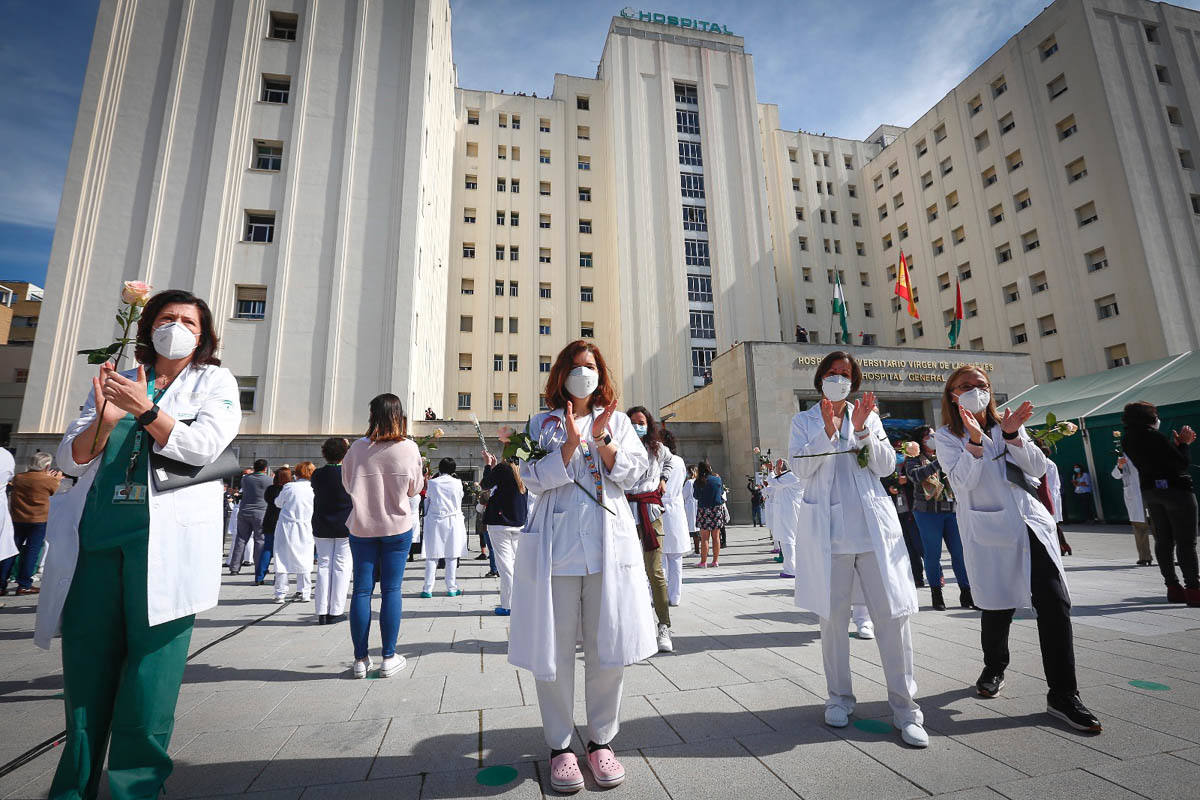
(29, 537)
(265, 554)
(756, 514)
(491, 553)
(936, 527)
(388, 554)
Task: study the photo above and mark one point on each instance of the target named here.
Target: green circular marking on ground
(872, 725)
(1151, 685)
(496, 776)
(373, 674)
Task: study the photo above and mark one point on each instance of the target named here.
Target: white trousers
(576, 599)
(859, 614)
(891, 633)
(333, 575)
(673, 564)
(431, 574)
(504, 548)
(303, 584)
(787, 548)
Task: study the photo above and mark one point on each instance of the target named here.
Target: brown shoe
(1192, 597)
(1175, 593)
(35, 590)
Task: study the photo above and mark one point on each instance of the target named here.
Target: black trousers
(912, 543)
(1173, 514)
(1053, 607)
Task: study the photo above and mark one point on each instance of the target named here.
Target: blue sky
(835, 67)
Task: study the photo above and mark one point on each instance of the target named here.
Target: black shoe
(1072, 711)
(481, 557)
(965, 600)
(938, 603)
(259, 583)
(989, 685)
(334, 619)
(247, 563)
(920, 582)
(491, 574)
(323, 619)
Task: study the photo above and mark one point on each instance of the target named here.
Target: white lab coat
(784, 494)
(676, 537)
(993, 514)
(689, 504)
(414, 504)
(812, 520)
(183, 574)
(650, 480)
(1131, 487)
(8, 541)
(293, 533)
(626, 630)
(445, 529)
(1054, 488)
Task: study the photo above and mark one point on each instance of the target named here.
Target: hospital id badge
(129, 494)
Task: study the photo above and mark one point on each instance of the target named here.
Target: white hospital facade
(359, 223)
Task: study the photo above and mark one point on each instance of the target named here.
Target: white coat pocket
(993, 528)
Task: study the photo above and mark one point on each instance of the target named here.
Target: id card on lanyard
(131, 491)
(590, 458)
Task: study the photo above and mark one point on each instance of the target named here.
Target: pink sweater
(380, 478)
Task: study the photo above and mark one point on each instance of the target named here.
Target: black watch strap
(607, 438)
(1010, 436)
(149, 416)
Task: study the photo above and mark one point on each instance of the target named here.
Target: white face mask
(836, 387)
(174, 341)
(582, 382)
(975, 400)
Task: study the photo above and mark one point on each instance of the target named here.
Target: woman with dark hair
(675, 539)
(445, 530)
(381, 473)
(129, 564)
(1162, 464)
(294, 535)
(847, 531)
(331, 509)
(283, 475)
(507, 510)
(579, 564)
(711, 514)
(646, 503)
(1008, 536)
(934, 511)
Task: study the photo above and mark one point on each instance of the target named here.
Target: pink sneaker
(714, 564)
(565, 776)
(702, 565)
(607, 771)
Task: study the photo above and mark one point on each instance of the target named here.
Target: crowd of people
(587, 531)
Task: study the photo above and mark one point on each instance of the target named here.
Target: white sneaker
(914, 735)
(362, 666)
(391, 665)
(836, 717)
(664, 639)
(279, 600)
(866, 630)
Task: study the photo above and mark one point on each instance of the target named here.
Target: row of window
(513, 219)
(514, 254)
(504, 120)
(503, 151)
(830, 217)
(466, 324)
(464, 402)
(504, 185)
(820, 159)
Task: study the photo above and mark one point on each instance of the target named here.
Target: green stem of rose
(593, 497)
(130, 318)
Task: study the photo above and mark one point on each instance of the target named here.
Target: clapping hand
(827, 416)
(601, 423)
(572, 431)
(489, 458)
(1184, 436)
(128, 395)
(1013, 420)
(974, 431)
(862, 411)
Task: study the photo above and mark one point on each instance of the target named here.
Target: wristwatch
(1008, 437)
(607, 438)
(149, 416)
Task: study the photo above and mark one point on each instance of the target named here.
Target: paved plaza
(272, 712)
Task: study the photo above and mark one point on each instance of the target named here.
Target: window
(699, 289)
(1007, 123)
(586, 294)
(989, 176)
(275, 88)
(469, 216)
(970, 309)
(499, 252)
(1003, 254)
(964, 271)
(1048, 48)
(691, 184)
(898, 200)
(952, 200)
(695, 218)
(977, 344)
(1038, 283)
(1011, 293)
(796, 185)
(856, 220)
(939, 133)
(544, 291)
(512, 324)
(999, 86)
(1185, 159)
(513, 289)
(1029, 240)
(702, 325)
(806, 274)
(282, 26)
(497, 402)
(514, 253)
(868, 310)
(947, 166)
(1173, 116)
(886, 241)
(959, 235)
(498, 325)
(516, 122)
(585, 259)
(1076, 170)
(543, 364)
(1046, 326)
(800, 213)
(883, 212)
(472, 182)
(918, 330)
(864, 279)
(499, 217)
(260, 226)
(1116, 356)
(927, 180)
(974, 105)
(472, 116)
(543, 125)
(702, 362)
(827, 247)
(1151, 32)
(820, 187)
(585, 226)
(501, 185)
(512, 363)
(877, 181)
(516, 153)
(860, 249)
(792, 154)
(1014, 161)
(467, 286)
(921, 148)
(1055, 370)
(938, 245)
(544, 188)
(893, 170)
(581, 102)
(695, 253)
(251, 302)
(499, 290)
(468, 249)
(810, 305)
(1096, 260)
(543, 327)
(689, 154)
(981, 142)
(543, 255)
(1107, 307)
(501, 152)
(1086, 214)
(1021, 200)
(585, 194)
(902, 232)
(1018, 335)
(848, 162)
(816, 158)
(1196, 203)
(497, 363)
(687, 121)
(1067, 128)
(465, 324)
(464, 362)
(931, 213)
(1056, 86)
(586, 330)
(543, 156)
(825, 159)
(943, 281)
(901, 334)
(584, 162)
(268, 156)
(852, 190)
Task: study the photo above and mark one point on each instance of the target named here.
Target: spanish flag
(904, 287)
(956, 321)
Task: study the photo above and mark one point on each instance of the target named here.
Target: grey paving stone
(1069, 785)
(237, 710)
(1015, 741)
(429, 743)
(1191, 754)
(494, 690)
(386, 789)
(322, 701)
(463, 783)
(403, 699)
(982, 793)
(512, 734)
(816, 763)
(706, 714)
(1159, 777)
(330, 753)
(694, 769)
(224, 763)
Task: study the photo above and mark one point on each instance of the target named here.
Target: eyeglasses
(966, 387)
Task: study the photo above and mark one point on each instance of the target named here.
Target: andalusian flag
(904, 287)
(839, 306)
(956, 323)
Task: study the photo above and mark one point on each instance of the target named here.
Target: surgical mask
(835, 387)
(582, 381)
(1154, 427)
(1077, 469)
(640, 429)
(174, 340)
(975, 400)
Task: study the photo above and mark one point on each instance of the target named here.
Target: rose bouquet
(134, 296)
(1054, 431)
(523, 447)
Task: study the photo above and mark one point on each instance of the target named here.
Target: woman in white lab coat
(676, 541)
(580, 562)
(445, 528)
(690, 507)
(1131, 488)
(646, 501)
(127, 565)
(294, 547)
(1008, 536)
(847, 529)
(784, 495)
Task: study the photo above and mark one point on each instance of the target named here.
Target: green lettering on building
(673, 21)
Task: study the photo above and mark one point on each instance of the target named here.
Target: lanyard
(139, 436)
(592, 468)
